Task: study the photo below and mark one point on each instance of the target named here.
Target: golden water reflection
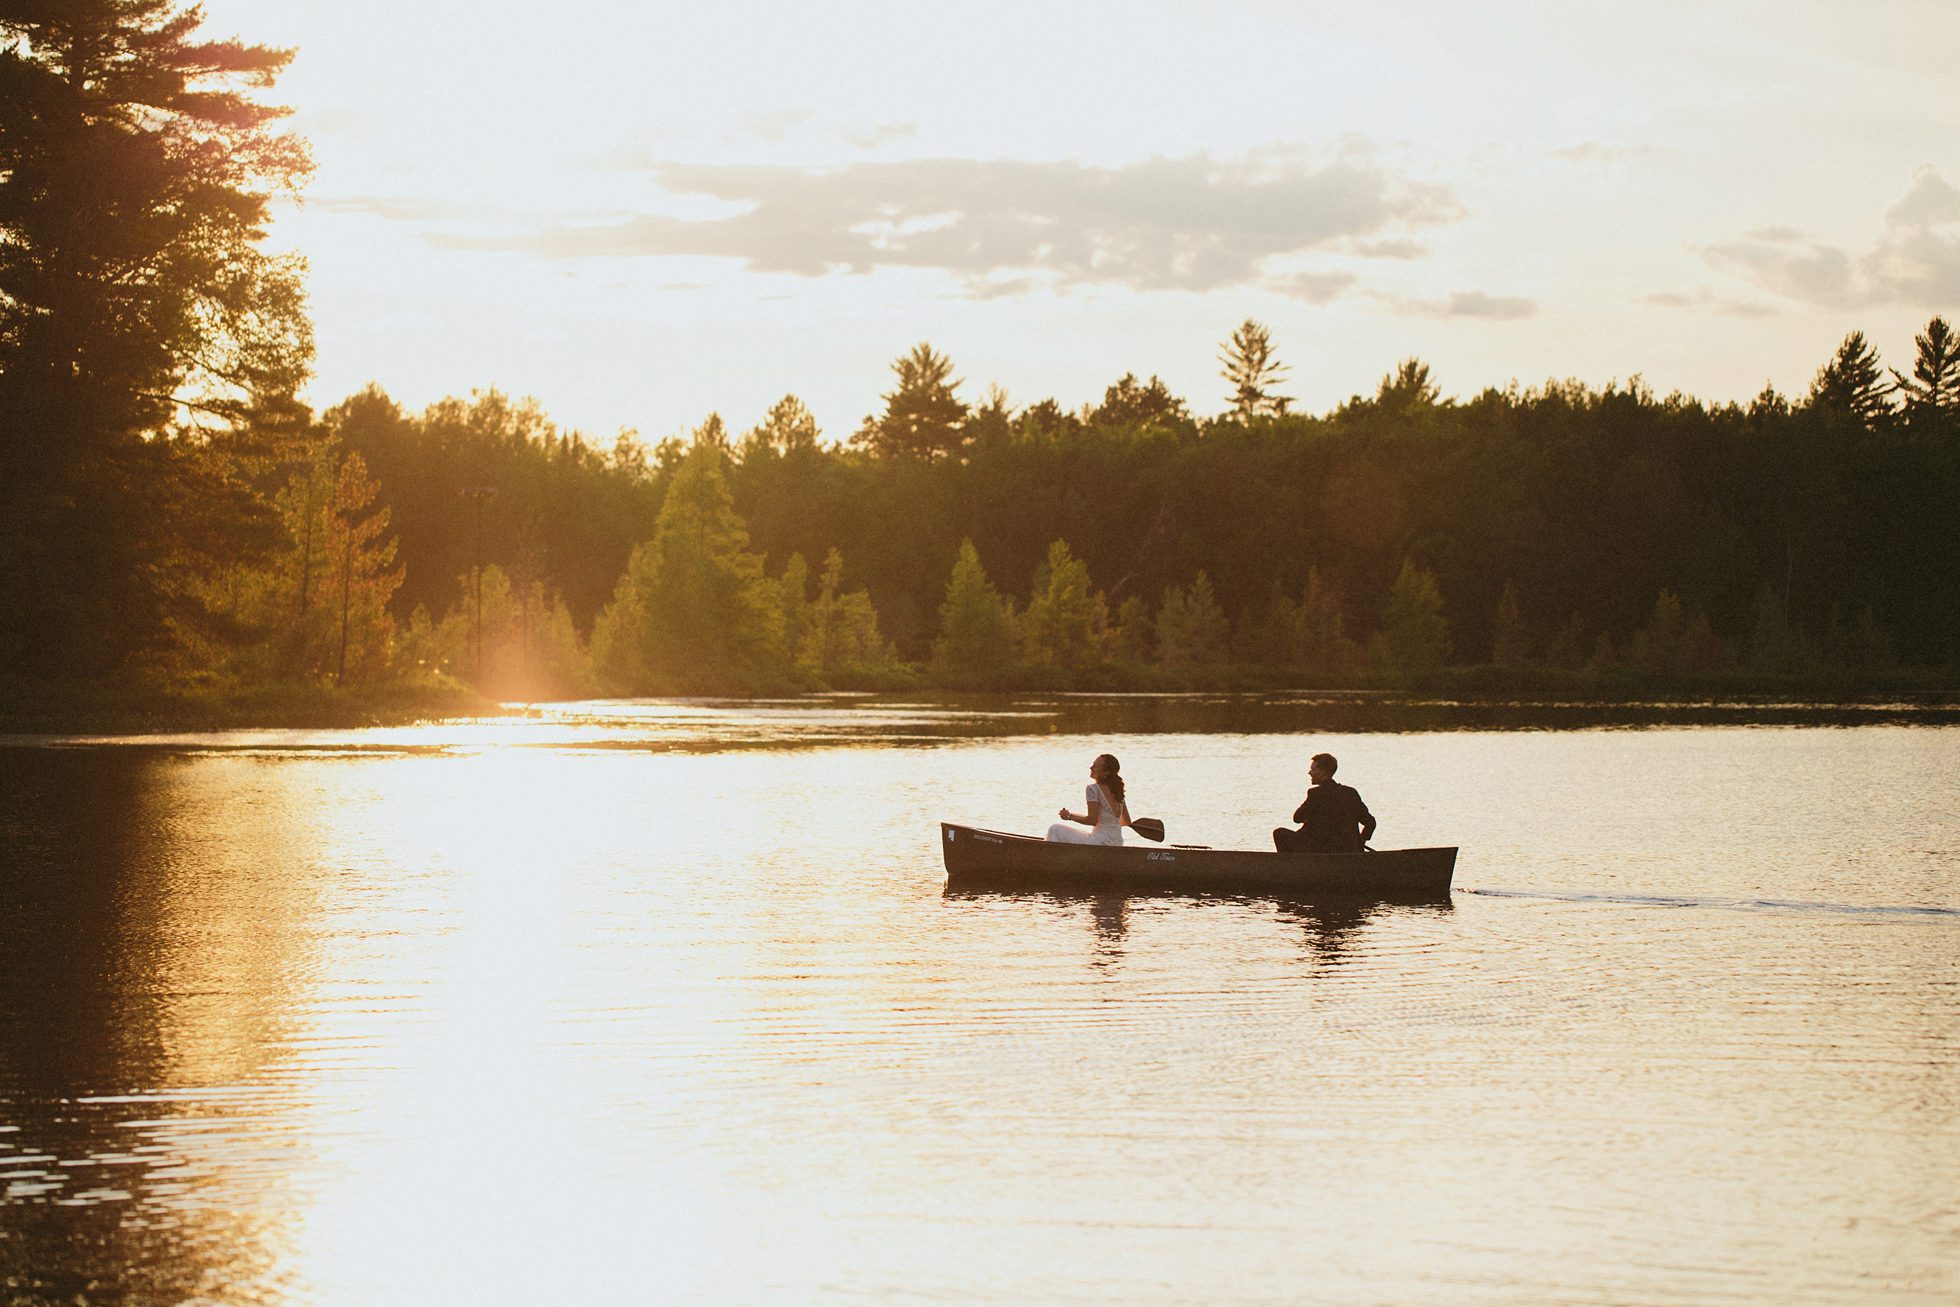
(365, 1023)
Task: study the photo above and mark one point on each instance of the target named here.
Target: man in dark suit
(1333, 818)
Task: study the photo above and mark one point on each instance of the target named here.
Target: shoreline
(126, 710)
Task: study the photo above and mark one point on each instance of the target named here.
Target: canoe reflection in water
(1327, 925)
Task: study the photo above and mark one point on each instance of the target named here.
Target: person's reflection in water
(1330, 926)
(1110, 915)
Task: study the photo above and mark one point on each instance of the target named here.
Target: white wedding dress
(1109, 821)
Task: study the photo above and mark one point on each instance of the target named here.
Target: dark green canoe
(994, 859)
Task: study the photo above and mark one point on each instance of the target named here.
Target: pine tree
(1407, 390)
(1932, 392)
(922, 417)
(363, 575)
(694, 613)
(976, 626)
(1253, 370)
(1192, 630)
(1852, 382)
(1325, 647)
(1136, 405)
(147, 342)
(1066, 621)
(1415, 636)
(788, 428)
(1133, 638)
(1510, 640)
(841, 641)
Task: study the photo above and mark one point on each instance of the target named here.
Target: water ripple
(1720, 902)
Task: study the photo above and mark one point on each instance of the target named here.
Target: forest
(180, 521)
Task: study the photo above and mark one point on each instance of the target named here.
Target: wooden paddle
(1148, 827)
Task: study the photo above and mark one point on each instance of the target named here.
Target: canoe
(994, 859)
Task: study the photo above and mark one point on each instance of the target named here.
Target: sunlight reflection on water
(422, 1015)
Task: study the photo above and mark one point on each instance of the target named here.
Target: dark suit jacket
(1334, 819)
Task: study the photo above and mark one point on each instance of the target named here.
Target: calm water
(646, 1003)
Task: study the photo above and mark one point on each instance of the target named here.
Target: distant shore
(121, 709)
(134, 709)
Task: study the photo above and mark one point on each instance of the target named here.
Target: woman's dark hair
(1112, 779)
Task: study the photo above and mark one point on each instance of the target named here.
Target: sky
(641, 213)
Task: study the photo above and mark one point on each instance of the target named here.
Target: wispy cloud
(873, 138)
(1706, 300)
(1468, 304)
(1194, 223)
(1915, 259)
(1314, 287)
(395, 208)
(1596, 152)
(773, 127)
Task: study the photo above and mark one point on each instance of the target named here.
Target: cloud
(1595, 152)
(1706, 299)
(1914, 260)
(1470, 304)
(872, 138)
(1389, 249)
(1314, 287)
(773, 127)
(1194, 223)
(393, 208)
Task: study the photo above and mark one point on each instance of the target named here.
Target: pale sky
(642, 213)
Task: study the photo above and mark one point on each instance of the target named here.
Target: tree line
(176, 512)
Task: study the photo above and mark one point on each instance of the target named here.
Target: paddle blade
(1148, 827)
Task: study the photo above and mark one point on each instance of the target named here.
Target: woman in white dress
(1106, 814)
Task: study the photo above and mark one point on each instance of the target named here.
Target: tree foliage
(922, 416)
(150, 349)
(694, 613)
(1253, 368)
(976, 626)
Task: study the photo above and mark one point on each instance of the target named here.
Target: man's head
(1322, 767)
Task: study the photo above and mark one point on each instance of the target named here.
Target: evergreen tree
(147, 343)
(1192, 630)
(793, 587)
(364, 575)
(1407, 390)
(529, 647)
(1775, 644)
(694, 612)
(1510, 640)
(1415, 636)
(1658, 646)
(922, 417)
(1252, 369)
(1269, 636)
(976, 626)
(1066, 621)
(788, 428)
(1133, 639)
(1137, 405)
(1852, 382)
(1568, 647)
(1932, 392)
(841, 641)
(1325, 646)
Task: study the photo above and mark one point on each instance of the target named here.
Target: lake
(667, 1003)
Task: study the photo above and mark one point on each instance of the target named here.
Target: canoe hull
(978, 858)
